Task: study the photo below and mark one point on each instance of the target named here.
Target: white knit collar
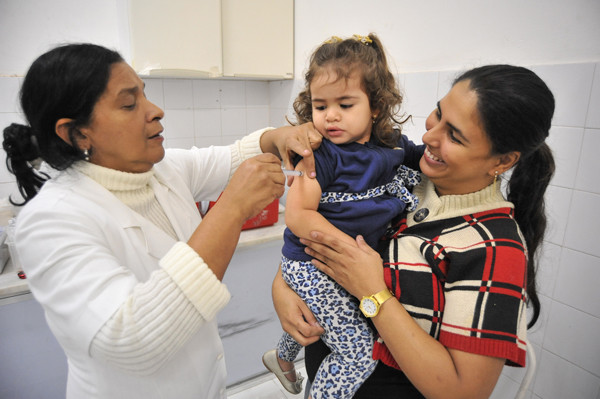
(112, 179)
(436, 207)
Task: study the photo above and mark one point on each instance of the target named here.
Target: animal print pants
(347, 332)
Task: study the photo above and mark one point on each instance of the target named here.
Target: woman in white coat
(112, 244)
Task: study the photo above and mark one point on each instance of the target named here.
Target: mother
(113, 244)
(462, 265)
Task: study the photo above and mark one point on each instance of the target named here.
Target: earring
(86, 155)
(374, 117)
(495, 179)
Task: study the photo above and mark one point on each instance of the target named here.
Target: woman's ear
(506, 161)
(63, 130)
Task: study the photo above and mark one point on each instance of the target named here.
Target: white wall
(428, 41)
(437, 35)
(28, 28)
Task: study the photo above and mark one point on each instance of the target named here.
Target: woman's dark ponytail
(515, 108)
(526, 190)
(21, 154)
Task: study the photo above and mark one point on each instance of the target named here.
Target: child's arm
(301, 205)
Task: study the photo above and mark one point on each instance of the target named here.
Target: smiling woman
(462, 264)
(110, 237)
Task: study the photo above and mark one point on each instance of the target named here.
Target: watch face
(369, 307)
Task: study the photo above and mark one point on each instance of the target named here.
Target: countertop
(12, 287)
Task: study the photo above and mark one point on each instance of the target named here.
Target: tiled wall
(205, 112)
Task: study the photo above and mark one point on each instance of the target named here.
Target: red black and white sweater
(458, 265)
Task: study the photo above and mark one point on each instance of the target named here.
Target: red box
(267, 217)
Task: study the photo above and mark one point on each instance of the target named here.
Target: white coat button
(219, 356)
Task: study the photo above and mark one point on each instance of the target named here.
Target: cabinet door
(258, 38)
(176, 38)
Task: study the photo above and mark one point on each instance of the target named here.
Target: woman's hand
(256, 183)
(289, 140)
(295, 317)
(357, 268)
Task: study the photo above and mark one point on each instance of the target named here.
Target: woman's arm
(438, 372)
(295, 317)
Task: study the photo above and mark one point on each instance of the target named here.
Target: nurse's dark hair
(65, 82)
(516, 107)
(364, 55)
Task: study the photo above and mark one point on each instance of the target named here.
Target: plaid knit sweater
(458, 265)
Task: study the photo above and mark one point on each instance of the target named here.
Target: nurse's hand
(256, 183)
(287, 141)
(295, 317)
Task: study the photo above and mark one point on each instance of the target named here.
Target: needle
(292, 172)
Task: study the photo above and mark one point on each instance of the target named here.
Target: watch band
(382, 296)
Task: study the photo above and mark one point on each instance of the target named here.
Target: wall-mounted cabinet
(213, 38)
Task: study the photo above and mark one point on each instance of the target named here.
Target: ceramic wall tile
(207, 141)
(154, 91)
(565, 143)
(282, 93)
(559, 379)
(558, 200)
(445, 80)
(547, 268)
(574, 287)
(593, 114)
(414, 128)
(257, 94)
(178, 124)
(571, 85)
(588, 172)
(207, 93)
(535, 334)
(277, 116)
(184, 143)
(9, 94)
(257, 118)
(420, 94)
(178, 94)
(207, 122)
(233, 121)
(584, 219)
(573, 335)
(233, 94)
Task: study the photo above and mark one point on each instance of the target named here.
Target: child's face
(340, 108)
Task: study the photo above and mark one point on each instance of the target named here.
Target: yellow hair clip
(333, 39)
(363, 39)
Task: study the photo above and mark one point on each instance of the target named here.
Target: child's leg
(347, 333)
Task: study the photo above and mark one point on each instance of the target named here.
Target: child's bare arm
(301, 214)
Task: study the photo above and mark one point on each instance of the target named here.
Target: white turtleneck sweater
(181, 283)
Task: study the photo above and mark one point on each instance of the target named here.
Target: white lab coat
(83, 251)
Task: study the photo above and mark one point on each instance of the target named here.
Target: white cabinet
(258, 38)
(213, 38)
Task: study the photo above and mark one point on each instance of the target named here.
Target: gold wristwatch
(370, 305)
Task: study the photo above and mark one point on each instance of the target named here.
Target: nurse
(113, 245)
